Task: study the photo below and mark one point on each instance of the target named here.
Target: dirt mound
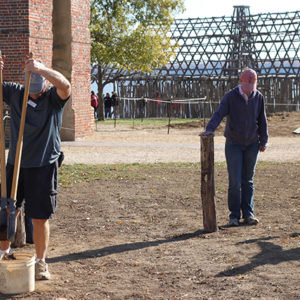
(280, 124)
(284, 123)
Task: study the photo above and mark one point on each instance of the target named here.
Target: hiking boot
(5, 253)
(41, 271)
(251, 221)
(234, 222)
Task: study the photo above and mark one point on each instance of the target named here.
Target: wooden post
(207, 183)
(134, 108)
(20, 236)
(169, 115)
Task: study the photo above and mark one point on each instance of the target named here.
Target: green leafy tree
(129, 36)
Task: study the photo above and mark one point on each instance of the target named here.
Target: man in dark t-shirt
(107, 106)
(41, 151)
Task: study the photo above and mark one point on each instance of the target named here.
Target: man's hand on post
(33, 65)
(206, 133)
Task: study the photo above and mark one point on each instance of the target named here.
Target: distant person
(114, 99)
(176, 108)
(114, 103)
(94, 104)
(107, 106)
(158, 106)
(246, 134)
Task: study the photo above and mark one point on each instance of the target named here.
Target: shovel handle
(17, 163)
(2, 141)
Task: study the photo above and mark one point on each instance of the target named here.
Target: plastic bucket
(17, 275)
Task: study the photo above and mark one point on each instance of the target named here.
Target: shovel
(10, 227)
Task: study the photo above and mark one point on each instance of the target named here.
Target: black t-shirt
(41, 139)
(107, 101)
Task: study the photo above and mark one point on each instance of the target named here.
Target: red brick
(26, 26)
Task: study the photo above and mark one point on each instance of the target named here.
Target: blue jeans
(241, 161)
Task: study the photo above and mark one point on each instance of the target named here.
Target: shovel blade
(11, 230)
(11, 225)
(3, 220)
(3, 225)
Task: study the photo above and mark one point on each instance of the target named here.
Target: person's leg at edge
(234, 157)
(41, 233)
(249, 164)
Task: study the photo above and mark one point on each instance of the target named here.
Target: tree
(129, 36)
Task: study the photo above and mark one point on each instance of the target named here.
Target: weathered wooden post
(20, 236)
(169, 114)
(207, 183)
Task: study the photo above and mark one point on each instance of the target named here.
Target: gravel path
(111, 145)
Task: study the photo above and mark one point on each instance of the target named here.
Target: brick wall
(14, 37)
(27, 26)
(81, 83)
(40, 29)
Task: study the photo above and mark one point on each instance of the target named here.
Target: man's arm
(218, 115)
(262, 127)
(61, 83)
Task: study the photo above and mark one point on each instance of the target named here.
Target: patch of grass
(147, 122)
(220, 164)
(77, 173)
(269, 164)
(72, 174)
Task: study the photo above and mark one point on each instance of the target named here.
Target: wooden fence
(281, 94)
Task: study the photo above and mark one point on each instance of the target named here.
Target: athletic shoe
(234, 222)
(5, 253)
(41, 271)
(251, 221)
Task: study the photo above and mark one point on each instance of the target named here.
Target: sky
(217, 8)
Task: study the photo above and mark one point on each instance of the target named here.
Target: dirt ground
(137, 233)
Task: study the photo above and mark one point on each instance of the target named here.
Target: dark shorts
(38, 187)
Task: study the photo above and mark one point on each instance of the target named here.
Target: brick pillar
(81, 62)
(71, 56)
(57, 34)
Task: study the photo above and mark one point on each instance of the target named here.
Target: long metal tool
(3, 211)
